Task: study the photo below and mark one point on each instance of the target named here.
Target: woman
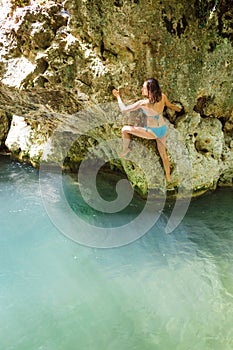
(152, 106)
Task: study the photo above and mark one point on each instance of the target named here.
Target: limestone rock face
(26, 141)
(61, 59)
(4, 125)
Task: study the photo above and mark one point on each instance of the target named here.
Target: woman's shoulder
(144, 102)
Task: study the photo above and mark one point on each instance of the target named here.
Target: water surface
(161, 292)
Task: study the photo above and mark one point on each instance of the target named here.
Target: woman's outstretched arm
(171, 105)
(123, 107)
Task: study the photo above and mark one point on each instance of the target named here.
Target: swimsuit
(160, 131)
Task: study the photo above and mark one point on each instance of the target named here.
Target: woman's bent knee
(125, 129)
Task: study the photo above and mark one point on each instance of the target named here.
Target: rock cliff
(60, 60)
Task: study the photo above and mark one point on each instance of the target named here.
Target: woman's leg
(161, 144)
(136, 131)
(142, 132)
(126, 141)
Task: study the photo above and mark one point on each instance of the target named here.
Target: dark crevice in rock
(181, 26)
(212, 46)
(109, 52)
(172, 27)
(202, 103)
(105, 52)
(200, 149)
(130, 51)
(40, 81)
(102, 49)
(168, 23)
(85, 83)
(118, 3)
(223, 121)
(42, 66)
(59, 21)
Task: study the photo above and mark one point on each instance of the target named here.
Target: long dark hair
(154, 91)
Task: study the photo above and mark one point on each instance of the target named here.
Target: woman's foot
(123, 154)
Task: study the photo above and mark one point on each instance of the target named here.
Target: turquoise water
(161, 292)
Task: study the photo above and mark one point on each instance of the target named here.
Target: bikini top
(152, 116)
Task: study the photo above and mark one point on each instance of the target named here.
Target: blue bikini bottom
(159, 132)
